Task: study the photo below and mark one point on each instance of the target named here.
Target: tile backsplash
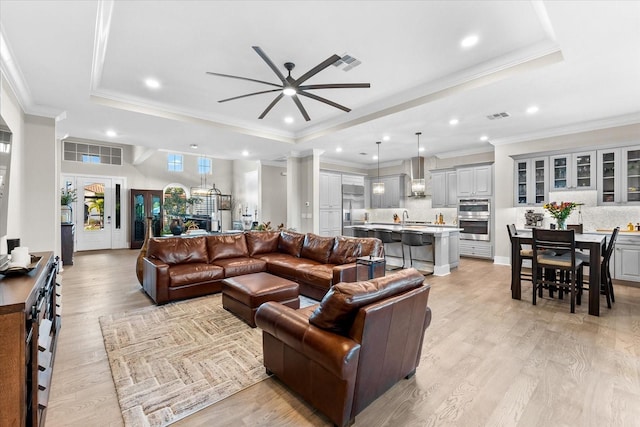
(592, 216)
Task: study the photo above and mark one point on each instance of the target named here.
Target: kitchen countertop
(427, 229)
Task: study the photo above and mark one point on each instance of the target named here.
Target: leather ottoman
(242, 295)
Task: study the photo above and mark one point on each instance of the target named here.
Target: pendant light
(378, 187)
(417, 183)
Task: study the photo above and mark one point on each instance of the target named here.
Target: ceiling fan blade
(326, 101)
(300, 107)
(269, 62)
(315, 70)
(243, 78)
(250, 94)
(274, 102)
(336, 86)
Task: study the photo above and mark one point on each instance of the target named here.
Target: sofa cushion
(178, 250)
(338, 308)
(241, 265)
(320, 275)
(317, 247)
(369, 246)
(262, 242)
(287, 266)
(226, 246)
(290, 242)
(193, 273)
(345, 250)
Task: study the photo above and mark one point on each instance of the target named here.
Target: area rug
(170, 361)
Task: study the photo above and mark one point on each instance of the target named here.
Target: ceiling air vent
(498, 116)
(348, 61)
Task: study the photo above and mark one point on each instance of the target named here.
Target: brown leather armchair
(356, 344)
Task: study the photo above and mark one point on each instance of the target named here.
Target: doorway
(99, 212)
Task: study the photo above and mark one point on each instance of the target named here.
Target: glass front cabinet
(574, 171)
(532, 182)
(619, 175)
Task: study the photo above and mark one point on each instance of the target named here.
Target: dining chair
(606, 284)
(524, 253)
(546, 242)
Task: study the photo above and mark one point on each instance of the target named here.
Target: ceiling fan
(294, 87)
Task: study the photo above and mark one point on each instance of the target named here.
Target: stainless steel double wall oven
(474, 217)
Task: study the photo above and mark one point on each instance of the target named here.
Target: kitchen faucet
(404, 212)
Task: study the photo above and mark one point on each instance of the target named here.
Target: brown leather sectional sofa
(185, 267)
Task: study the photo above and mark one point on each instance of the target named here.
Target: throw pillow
(290, 243)
(345, 250)
(317, 247)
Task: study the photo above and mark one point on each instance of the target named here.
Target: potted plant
(67, 196)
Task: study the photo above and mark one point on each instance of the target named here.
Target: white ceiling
(85, 62)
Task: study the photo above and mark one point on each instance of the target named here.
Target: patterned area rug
(170, 361)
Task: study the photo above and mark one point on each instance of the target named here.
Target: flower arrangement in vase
(560, 212)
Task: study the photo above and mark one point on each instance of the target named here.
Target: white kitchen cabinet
(573, 171)
(330, 190)
(393, 196)
(444, 189)
(618, 176)
(627, 262)
(475, 181)
(330, 222)
(476, 249)
(353, 179)
(531, 181)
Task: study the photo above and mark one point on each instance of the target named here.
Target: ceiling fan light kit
(378, 187)
(293, 87)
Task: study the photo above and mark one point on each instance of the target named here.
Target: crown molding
(588, 126)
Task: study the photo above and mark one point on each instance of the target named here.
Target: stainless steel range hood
(417, 172)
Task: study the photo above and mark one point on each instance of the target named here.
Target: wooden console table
(29, 324)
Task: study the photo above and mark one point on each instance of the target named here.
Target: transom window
(175, 162)
(91, 153)
(204, 166)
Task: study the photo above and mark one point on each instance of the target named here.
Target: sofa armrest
(155, 280)
(345, 273)
(338, 354)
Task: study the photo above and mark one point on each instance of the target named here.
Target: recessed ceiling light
(152, 83)
(194, 146)
(484, 138)
(375, 157)
(245, 153)
(421, 149)
(111, 133)
(533, 109)
(288, 119)
(469, 41)
(386, 138)
(454, 122)
(338, 149)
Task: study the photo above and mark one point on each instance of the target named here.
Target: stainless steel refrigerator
(352, 207)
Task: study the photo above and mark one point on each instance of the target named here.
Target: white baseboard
(502, 260)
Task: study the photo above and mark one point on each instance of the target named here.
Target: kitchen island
(440, 252)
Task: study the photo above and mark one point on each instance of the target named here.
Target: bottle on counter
(440, 219)
(630, 227)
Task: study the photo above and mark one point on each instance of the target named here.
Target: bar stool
(414, 238)
(386, 236)
(360, 232)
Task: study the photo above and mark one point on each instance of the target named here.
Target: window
(204, 166)
(174, 163)
(90, 153)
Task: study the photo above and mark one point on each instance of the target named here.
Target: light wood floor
(487, 360)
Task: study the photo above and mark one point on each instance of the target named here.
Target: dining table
(595, 243)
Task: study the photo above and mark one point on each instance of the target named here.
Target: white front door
(99, 213)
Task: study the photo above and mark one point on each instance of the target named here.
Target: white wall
(273, 197)
(34, 204)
